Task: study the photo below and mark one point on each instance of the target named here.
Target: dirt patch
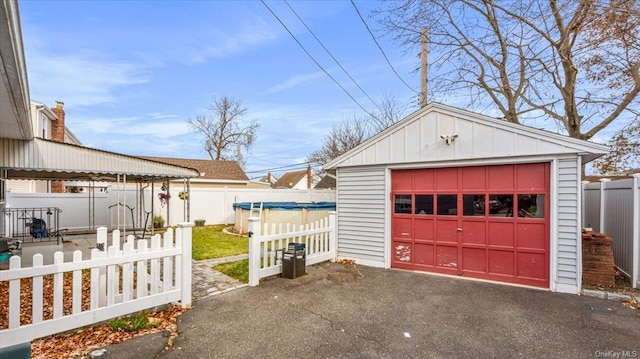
(232, 231)
(622, 286)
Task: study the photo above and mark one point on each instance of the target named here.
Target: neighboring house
(327, 182)
(304, 179)
(48, 124)
(269, 178)
(213, 173)
(458, 193)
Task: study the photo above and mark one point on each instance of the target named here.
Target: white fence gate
(122, 281)
(265, 240)
(613, 208)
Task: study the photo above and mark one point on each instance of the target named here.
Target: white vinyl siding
(20, 186)
(361, 214)
(417, 138)
(567, 209)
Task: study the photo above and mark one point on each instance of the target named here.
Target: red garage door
(489, 222)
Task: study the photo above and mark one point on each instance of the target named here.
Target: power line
(331, 55)
(283, 167)
(314, 60)
(380, 47)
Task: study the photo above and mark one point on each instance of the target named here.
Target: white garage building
(457, 193)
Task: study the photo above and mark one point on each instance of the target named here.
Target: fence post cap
(605, 180)
(585, 182)
(185, 225)
(254, 219)
(636, 175)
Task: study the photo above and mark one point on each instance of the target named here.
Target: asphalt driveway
(355, 312)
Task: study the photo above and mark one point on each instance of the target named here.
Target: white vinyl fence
(214, 205)
(122, 281)
(79, 212)
(613, 208)
(266, 240)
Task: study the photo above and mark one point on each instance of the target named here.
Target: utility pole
(424, 80)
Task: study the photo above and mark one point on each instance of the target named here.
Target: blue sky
(131, 72)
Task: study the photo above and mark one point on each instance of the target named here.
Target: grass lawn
(238, 270)
(210, 242)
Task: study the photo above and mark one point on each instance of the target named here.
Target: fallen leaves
(346, 262)
(77, 343)
(81, 342)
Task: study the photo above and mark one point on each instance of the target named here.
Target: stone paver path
(206, 281)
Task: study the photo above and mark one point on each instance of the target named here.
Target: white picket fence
(266, 240)
(123, 280)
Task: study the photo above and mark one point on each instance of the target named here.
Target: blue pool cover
(331, 206)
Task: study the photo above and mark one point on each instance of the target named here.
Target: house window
(44, 127)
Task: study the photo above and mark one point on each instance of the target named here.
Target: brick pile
(597, 260)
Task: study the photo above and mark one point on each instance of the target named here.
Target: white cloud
(128, 126)
(160, 116)
(295, 81)
(209, 43)
(81, 78)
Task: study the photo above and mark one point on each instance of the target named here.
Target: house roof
(327, 182)
(290, 179)
(14, 89)
(419, 138)
(209, 169)
(45, 159)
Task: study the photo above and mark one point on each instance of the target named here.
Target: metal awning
(49, 160)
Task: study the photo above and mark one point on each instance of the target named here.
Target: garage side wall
(568, 256)
(361, 215)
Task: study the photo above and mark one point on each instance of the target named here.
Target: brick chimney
(309, 181)
(57, 127)
(57, 134)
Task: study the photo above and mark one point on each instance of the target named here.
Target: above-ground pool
(295, 213)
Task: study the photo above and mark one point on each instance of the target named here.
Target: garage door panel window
(531, 206)
(447, 205)
(500, 205)
(424, 204)
(402, 204)
(473, 205)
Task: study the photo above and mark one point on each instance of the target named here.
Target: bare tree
(342, 137)
(575, 62)
(350, 133)
(225, 128)
(389, 112)
(624, 157)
